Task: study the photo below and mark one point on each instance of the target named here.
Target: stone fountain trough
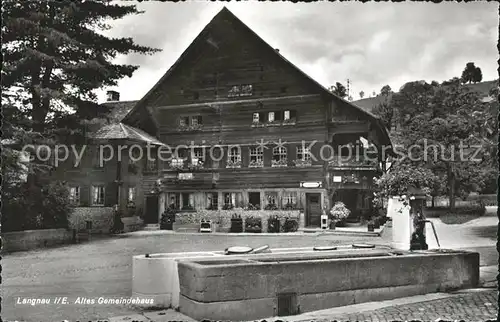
(214, 286)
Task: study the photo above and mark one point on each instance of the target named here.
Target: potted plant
(371, 225)
(167, 219)
(339, 212)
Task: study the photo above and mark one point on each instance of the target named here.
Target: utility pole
(349, 96)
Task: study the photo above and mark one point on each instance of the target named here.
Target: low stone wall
(222, 218)
(101, 217)
(255, 287)
(133, 223)
(33, 239)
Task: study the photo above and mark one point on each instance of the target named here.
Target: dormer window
(196, 120)
(270, 117)
(184, 121)
(240, 90)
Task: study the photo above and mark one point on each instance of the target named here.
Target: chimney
(113, 96)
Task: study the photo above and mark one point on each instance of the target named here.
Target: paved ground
(473, 305)
(103, 268)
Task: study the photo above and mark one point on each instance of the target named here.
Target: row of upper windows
(257, 117)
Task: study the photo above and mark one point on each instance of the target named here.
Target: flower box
(279, 163)
(256, 164)
(302, 163)
(233, 164)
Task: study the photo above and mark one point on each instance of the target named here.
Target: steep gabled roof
(226, 14)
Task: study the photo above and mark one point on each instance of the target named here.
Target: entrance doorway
(151, 215)
(313, 209)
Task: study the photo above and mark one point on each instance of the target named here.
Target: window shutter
(278, 115)
(293, 114)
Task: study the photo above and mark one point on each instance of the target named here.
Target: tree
(443, 118)
(386, 90)
(384, 110)
(471, 74)
(339, 90)
(361, 94)
(478, 75)
(56, 56)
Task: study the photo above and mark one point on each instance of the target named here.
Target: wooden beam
(240, 101)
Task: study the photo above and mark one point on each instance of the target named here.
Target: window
(198, 155)
(196, 120)
(234, 158)
(289, 199)
(256, 117)
(74, 195)
(187, 201)
(174, 201)
(184, 121)
(240, 90)
(246, 90)
(279, 153)
(212, 200)
(229, 199)
(270, 116)
(254, 200)
(279, 157)
(303, 153)
(131, 194)
(256, 157)
(98, 193)
(286, 115)
(271, 201)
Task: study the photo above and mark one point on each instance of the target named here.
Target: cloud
(372, 44)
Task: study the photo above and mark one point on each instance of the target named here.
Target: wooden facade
(228, 92)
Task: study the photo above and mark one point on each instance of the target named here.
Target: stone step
(152, 227)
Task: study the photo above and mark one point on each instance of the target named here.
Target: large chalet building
(246, 128)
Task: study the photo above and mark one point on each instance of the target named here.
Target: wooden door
(151, 215)
(313, 208)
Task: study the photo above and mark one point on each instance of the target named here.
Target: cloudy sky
(371, 44)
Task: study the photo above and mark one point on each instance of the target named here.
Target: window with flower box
(279, 157)
(229, 200)
(212, 200)
(234, 158)
(271, 201)
(256, 157)
(197, 158)
(289, 200)
(303, 157)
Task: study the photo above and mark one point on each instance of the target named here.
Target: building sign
(337, 178)
(185, 176)
(314, 184)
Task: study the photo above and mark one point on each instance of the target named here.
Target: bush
(339, 211)
(28, 207)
